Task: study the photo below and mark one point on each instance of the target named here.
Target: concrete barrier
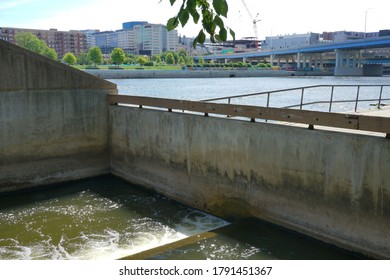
(53, 121)
(55, 126)
(329, 185)
(161, 74)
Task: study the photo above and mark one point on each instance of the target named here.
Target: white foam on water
(106, 230)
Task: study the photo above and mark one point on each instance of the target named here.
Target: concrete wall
(329, 185)
(161, 74)
(367, 70)
(53, 121)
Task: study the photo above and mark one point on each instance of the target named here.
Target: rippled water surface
(108, 218)
(104, 218)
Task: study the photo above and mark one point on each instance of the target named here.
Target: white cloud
(5, 5)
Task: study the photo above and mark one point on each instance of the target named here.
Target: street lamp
(365, 23)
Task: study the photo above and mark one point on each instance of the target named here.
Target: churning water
(103, 218)
(108, 218)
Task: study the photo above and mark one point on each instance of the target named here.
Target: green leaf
(221, 7)
(212, 38)
(183, 17)
(223, 34)
(195, 42)
(172, 2)
(195, 15)
(201, 38)
(218, 21)
(191, 5)
(172, 23)
(233, 34)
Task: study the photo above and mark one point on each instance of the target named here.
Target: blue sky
(277, 17)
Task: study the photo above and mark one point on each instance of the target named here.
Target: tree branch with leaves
(209, 13)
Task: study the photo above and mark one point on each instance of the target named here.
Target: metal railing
(311, 118)
(304, 92)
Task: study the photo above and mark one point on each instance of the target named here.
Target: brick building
(61, 41)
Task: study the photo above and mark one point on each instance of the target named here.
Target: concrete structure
(329, 185)
(56, 126)
(53, 121)
(174, 74)
(61, 41)
(311, 55)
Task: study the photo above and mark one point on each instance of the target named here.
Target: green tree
(170, 59)
(95, 55)
(181, 60)
(31, 42)
(201, 61)
(142, 60)
(118, 56)
(189, 60)
(130, 59)
(50, 53)
(156, 58)
(82, 59)
(69, 58)
(209, 12)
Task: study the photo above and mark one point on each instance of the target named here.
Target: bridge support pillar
(298, 61)
(348, 63)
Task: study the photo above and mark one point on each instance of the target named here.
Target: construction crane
(255, 19)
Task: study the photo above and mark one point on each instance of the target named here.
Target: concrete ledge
(161, 74)
(23, 69)
(329, 185)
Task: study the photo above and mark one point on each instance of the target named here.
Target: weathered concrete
(330, 185)
(161, 74)
(22, 69)
(53, 121)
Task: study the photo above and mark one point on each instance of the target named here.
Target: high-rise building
(61, 41)
(138, 38)
(88, 34)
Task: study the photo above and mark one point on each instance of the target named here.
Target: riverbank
(160, 74)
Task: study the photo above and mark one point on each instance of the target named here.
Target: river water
(107, 218)
(200, 89)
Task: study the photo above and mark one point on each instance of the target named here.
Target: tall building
(88, 34)
(106, 41)
(138, 37)
(61, 41)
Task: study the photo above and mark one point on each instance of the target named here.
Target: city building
(106, 41)
(88, 33)
(342, 36)
(290, 41)
(61, 41)
(138, 37)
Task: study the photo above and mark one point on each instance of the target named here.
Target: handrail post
(331, 100)
(303, 91)
(380, 97)
(357, 97)
(268, 96)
